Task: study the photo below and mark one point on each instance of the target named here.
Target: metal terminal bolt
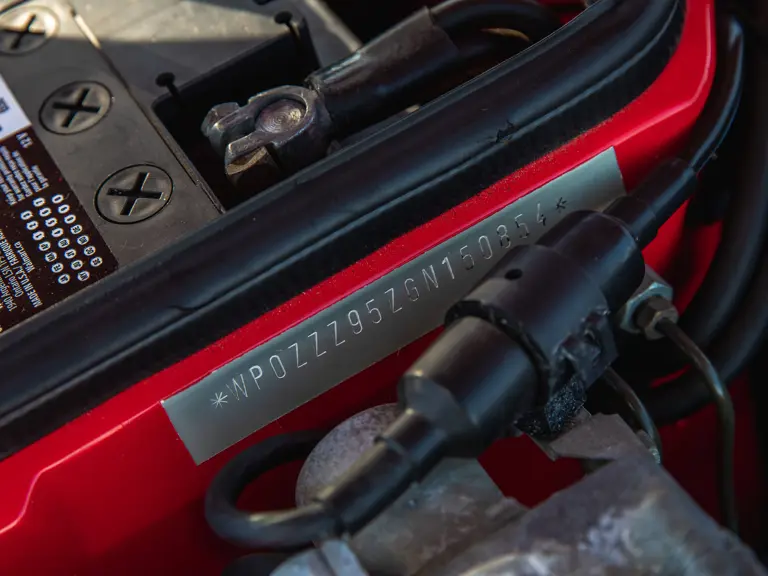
(652, 286)
(75, 107)
(281, 117)
(653, 311)
(134, 194)
(277, 133)
(215, 114)
(25, 29)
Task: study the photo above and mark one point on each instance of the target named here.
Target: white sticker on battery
(12, 117)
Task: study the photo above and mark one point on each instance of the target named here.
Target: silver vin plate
(376, 320)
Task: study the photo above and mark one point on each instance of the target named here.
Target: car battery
(92, 178)
(210, 323)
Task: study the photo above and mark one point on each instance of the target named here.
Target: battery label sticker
(49, 247)
(12, 117)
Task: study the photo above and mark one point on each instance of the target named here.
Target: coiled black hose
(744, 228)
(745, 225)
(272, 529)
(737, 342)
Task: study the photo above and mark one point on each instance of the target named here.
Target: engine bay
(229, 228)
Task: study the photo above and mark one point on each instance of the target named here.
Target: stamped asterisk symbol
(219, 399)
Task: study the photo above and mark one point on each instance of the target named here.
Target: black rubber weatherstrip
(148, 316)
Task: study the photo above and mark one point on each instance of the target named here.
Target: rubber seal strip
(156, 312)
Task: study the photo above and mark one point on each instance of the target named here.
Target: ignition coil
(534, 333)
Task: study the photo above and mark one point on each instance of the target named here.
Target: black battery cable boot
(284, 129)
(400, 68)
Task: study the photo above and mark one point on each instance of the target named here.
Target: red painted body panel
(115, 492)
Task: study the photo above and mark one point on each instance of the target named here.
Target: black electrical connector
(540, 322)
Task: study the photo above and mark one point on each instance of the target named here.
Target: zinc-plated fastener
(652, 286)
(653, 311)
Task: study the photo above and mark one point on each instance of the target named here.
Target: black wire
(285, 529)
(746, 222)
(723, 102)
(726, 416)
(633, 402)
(673, 182)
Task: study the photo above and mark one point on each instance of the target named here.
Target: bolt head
(215, 114)
(75, 107)
(24, 29)
(253, 171)
(653, 311)
(653, 285)
(134, 194)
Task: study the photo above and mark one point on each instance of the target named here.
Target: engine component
(427, 519)
(534, 333)
(653, 286)
(301, 234)
(629, 516)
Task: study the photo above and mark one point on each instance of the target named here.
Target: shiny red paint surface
(115, 492)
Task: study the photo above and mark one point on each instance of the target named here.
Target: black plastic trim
(150, 315)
